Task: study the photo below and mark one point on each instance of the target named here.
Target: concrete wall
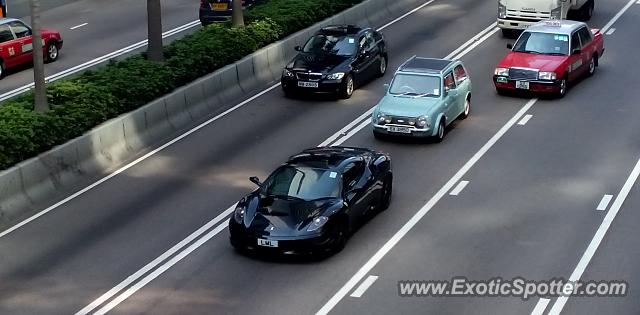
(110, 145)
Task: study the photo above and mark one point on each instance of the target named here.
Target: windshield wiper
(288, 197)
(530, 52)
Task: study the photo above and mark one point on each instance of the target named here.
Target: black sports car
(312, 202)
(336, 59)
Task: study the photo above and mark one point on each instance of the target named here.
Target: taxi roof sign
(554, 23)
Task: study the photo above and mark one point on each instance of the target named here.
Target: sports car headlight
(502, 72)
(287, 73)
(502, 10)
(336, 76)
(423, 121)
(238, 214)
(317, 223)
(547, 75)
(556, 14)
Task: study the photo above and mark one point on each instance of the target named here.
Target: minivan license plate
(399, 129)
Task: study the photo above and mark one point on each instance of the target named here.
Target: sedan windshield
(331, 44)
(543, 43)
(300, 182)
(416, 85)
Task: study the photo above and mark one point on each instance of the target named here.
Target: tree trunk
(38, 59)
(237, 16)
(154, 28)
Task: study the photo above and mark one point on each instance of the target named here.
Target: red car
(549, 56)
(16, 44)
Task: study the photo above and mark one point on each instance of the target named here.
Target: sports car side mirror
(255, 180)
(297, 48)
(509, 46)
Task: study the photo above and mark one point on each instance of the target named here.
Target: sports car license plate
(218, 6)
(522, 85)
(267, 243)
(308, 84)
(399, 129)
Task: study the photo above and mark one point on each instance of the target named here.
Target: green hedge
(84, 102)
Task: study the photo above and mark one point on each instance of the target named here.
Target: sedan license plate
(308, 84)
(267, 243)
(218, 6)
(522, 85)
(399, 129)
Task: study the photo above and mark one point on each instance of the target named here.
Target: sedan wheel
(348, 86)
(383, 66)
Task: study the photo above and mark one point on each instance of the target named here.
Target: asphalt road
(529, 208)
(111, 26)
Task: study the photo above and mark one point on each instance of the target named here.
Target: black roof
(341, 29)
(327, 157)
(420, 64)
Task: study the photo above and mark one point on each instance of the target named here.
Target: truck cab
(517, 15)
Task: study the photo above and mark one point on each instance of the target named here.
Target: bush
(94, 97)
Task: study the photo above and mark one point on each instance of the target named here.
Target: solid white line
(474, 39)
(599, 236)
(524, 120)
(610, 31)
(366, 268)
(140, 159)
(540, 307)
(406, 14)
(343, 131)
(617, 16)
(78, 26)
(461, 185)
(604, 202)
(352, 132)
(476, 44)
(129, 280)
(96, 61)
(133, 289)
(364, 286)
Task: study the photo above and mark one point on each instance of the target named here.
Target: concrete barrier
(114, 142)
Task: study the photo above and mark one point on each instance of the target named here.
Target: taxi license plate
(218, 6)
(308, 84)
(522, 85)
(399, 129)
(267, 243)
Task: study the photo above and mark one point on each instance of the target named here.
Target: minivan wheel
(441, 131)
(383, 66)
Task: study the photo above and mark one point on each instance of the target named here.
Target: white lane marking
(540, 307)
(458, 189)
(93, 62)
(599, 236)
(366, 268)
(475, 44)
(352, 132)
(140, 159)
(406, 14)
(610, 31)
(524, 120)
(134, 277)
(78, 26)
(343, 132)
(473, 39)
(616, 17)
(364, 286)
(604, 202)
(161, 270)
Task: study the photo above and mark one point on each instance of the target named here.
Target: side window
(20, 29)
(585, 36)
(377, 36)
(352, 173)
(369, 42)
(5, 33)
(575, 42)
(449, 83)
(460, 73)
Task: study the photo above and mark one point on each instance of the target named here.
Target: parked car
(219, 10)
(424, 97)
(16, 44)
(312, 203)
(548, 57)
(336, 60)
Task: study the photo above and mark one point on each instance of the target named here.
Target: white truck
(515, 15)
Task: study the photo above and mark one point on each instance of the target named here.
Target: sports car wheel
(383, 66)
(347, 87)
(387, 189)
(340, 239)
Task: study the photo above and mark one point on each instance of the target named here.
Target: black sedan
(336, 60)
(313, 202)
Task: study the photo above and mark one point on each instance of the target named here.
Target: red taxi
(16, 44)
(549, 56)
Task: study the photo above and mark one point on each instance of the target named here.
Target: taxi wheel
(347, 87)
(1, 69)
(52, 52)
(592, 66)
(563, 88)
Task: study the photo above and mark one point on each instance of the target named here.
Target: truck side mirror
(509, 46)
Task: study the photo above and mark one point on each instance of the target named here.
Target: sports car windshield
(299, 182)
(331, 44)
(543, 43)
(415, 85)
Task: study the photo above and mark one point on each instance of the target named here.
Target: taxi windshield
(415, 85)
(543, 43)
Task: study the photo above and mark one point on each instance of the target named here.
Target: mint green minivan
(424, 97)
